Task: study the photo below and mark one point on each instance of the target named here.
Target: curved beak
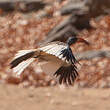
(83, 41)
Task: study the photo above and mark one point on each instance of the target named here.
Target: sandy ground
(53, 98)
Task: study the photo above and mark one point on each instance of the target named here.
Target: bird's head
(73, 40)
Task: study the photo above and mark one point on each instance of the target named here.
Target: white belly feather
(50, 67)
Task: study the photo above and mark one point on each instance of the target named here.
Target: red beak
(83, 41)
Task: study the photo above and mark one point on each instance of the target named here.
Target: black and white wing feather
(66, 73)
(54, 48)
(60, 50)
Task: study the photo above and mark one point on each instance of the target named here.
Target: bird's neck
(68, 46)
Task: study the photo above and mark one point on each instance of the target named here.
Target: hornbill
(54, 58)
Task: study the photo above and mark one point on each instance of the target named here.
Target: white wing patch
(20, 68)
(54, 49)
(46, 48)
(21, 53)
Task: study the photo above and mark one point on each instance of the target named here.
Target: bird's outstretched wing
(67, 74)
(59, 50)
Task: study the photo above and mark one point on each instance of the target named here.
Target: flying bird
(54, 58)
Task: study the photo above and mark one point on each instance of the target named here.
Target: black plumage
(69, 55)
(67, 74)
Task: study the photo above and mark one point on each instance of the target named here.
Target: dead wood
(88, 55)
(80, 12)
(62, 31)
(21, 5)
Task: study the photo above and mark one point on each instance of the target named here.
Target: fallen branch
(92, 54)
(62, 31)
(21, 5)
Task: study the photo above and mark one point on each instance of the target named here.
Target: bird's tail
(22, 59)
